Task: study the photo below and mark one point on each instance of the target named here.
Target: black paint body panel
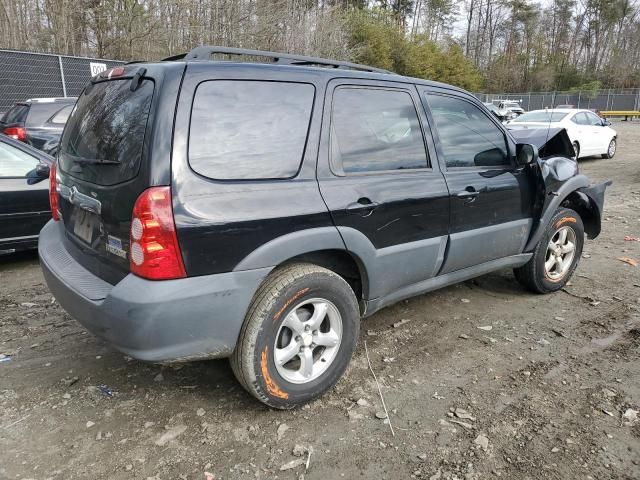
(408, 238)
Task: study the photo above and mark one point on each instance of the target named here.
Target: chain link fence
(601, 100)
(26, 75)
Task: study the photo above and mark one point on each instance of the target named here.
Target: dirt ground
(545, 386)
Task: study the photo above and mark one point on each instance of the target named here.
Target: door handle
(469, 194)
(363, 207)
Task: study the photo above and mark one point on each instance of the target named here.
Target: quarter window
(249, 130)
(468, 137)
(375, 130)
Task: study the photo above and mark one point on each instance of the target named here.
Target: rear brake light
(53, 193)
(154, 250)
(17, 133)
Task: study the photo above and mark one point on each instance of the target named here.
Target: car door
(24, 199)
(581, 132)
(387, 198)
(491, 199)
(598, 132)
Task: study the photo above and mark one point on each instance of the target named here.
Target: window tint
(62, 115)
(108, 125)
(17, 114)
(15, 162)
(467, 136)
(375, 130)
(249, 130)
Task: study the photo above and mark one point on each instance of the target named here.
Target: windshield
(103, 140)
(541, 116)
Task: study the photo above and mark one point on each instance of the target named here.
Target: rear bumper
(158, 321)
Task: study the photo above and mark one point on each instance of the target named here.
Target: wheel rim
(560, 253)
(308, 340)
(612, 148)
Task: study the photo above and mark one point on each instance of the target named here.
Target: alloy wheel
(308, 340)
(561, 251)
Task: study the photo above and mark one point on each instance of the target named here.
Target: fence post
(64, 85)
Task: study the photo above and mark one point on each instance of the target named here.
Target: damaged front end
(559, 182)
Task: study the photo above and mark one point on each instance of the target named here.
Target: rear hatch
(103, 168)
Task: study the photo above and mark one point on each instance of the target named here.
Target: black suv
(38, 122)
(207, 209)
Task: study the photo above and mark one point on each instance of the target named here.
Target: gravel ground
(484, 380)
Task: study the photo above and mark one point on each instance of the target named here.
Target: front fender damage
(589, 203)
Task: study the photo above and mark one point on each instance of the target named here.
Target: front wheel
(576, 149)
(611, 149)
(556, 256)
(298, 337)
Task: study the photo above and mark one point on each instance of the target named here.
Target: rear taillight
(154, 250)
(53, 193)
(17, 133)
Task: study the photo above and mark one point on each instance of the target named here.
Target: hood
(550, 141)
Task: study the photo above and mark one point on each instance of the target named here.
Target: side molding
(445, 280)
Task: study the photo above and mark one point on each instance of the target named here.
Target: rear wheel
(576, 149)
(298, 336)
(556, 256)
(611, 149)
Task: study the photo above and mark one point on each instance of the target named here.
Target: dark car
(207, 209)
(24, 194)
(38, 122)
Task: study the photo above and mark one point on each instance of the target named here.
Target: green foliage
(590, 89)
(376, 40)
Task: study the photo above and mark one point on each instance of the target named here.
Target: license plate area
(84, 225)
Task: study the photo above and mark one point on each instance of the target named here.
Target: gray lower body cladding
(158, 321)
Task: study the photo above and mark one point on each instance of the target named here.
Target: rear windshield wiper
(95, 161)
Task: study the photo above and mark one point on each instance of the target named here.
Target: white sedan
(589, 134)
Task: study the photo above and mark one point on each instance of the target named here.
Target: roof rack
(205, 52)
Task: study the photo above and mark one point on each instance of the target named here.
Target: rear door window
(104, 136)
(249, 130)
(374, 130)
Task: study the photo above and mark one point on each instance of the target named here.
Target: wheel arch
(321, 246)
(588, 211)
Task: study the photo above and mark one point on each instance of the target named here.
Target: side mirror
(526, 154)
(605, 122)
(42, 171)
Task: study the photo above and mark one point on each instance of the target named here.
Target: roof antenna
(550, 112)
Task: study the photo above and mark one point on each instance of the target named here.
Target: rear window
(249, 130)
(103, 140)
(17, 114)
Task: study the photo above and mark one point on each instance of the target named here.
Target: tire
(576, 149)
(611, 149)
(534, 275)
(288, 289)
